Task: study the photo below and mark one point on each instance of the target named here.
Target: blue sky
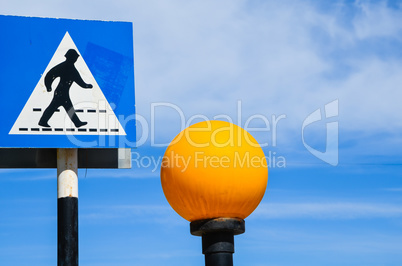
(240, 60)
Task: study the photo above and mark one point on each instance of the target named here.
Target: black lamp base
(218, 239)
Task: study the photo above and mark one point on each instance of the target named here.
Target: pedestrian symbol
(68, 74)
(67, 100)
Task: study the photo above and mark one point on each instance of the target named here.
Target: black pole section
(67, 231)
(67, 207)
(218, 239)
(218, 248)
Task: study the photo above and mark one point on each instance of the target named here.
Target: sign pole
(78, 105)
(67, 207)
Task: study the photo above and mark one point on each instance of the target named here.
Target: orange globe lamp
(214, 174)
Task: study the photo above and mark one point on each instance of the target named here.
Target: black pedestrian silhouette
(68, 74)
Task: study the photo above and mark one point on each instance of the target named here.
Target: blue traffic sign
(66, 83)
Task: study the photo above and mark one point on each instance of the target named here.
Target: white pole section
(67, 170)
(67, 207)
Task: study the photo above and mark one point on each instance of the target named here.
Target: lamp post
(214, 174)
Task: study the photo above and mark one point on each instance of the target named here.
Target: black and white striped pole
(67, 207)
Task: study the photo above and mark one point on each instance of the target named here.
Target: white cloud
(275, 56)
(147, 213)
(396, 189)
(334, 210)
(323, 238)
(21, 175)
(377, 19)
(269, 57)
